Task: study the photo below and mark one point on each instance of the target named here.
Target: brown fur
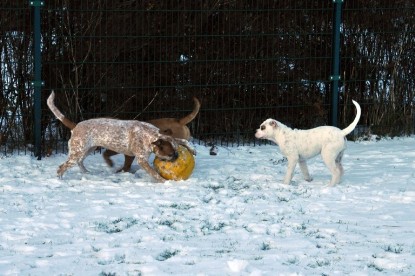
(177, 128)
(167, 126)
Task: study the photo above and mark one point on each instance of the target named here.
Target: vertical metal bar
(37, 82)
(335, 77)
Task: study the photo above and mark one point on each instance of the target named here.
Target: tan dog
(177, 128)
(132, 138)
(168, 126)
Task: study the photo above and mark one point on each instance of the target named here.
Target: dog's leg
(329, 159)
(127, 161)
(304, 170)
(80, 161)
(127, 164)
(292, 162)
(65, 166)
(144, 164)
(81, 165)
(106, 155)
(76, 155)
(72, 160)
(339, 163)
(70, 163)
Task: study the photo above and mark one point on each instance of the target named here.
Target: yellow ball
(179, 169)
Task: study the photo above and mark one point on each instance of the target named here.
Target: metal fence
(245, 60)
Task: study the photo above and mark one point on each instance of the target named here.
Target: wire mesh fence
(244, 60)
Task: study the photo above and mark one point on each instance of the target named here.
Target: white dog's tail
(69, 124)
(351, 127)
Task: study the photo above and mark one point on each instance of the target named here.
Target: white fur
(300, 145)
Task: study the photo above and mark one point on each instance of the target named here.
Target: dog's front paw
(190, 149)
(159, 178)
(287, 180)
(186, 144)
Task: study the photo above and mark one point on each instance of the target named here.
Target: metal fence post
(335, 77)
(37, 82)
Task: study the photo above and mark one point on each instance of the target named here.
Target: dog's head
(165, 148)
(267, 129)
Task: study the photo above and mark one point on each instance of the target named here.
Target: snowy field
(233, 217)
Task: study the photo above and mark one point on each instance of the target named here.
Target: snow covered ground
(233, 217)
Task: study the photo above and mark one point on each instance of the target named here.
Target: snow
(232, 217)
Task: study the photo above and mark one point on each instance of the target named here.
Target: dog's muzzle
(259, 134)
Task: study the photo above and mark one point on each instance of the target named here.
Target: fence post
(335, 77)
(37, 82)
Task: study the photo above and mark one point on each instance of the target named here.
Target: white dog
(300, 145)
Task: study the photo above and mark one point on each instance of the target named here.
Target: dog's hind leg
(335, 167)
(339, 163)
(304, 170)
(62, 168)
(74, 157)
(68, 164)
(82, 158)
(81, 166)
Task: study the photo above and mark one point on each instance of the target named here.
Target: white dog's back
(310, 142)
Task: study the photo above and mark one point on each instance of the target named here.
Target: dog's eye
(262, 127)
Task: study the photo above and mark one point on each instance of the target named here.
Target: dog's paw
(192, 151)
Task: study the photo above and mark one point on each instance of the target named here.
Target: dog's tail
(350, 128)
(185, 120)
(68, 123)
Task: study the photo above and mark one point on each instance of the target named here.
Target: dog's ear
(273, 123)
(163, 146)
(157, 143)
(164, 141)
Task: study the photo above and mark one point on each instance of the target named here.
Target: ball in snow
(179, 169)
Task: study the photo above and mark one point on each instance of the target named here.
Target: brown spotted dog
(132, 138)
(177, 128)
